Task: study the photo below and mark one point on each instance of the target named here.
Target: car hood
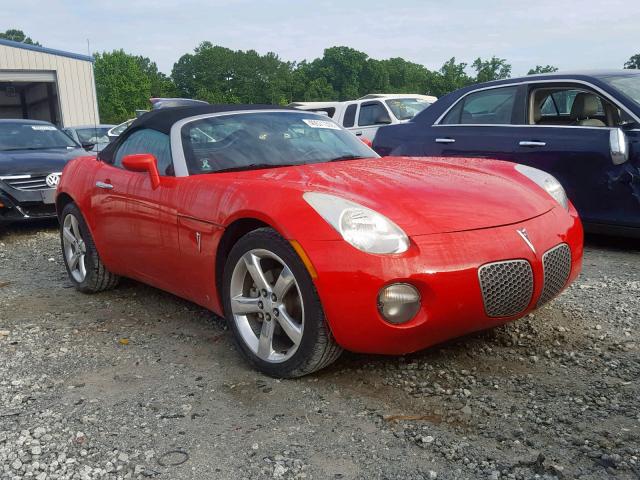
(21, 162)
(427, 195)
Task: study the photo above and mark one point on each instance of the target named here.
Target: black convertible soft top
(163, 119)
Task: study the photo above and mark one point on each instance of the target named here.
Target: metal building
(45, 84)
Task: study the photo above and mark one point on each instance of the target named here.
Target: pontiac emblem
(525, 236)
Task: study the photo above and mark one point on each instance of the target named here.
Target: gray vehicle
(93, 138)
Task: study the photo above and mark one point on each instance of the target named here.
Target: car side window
(350, 116)
(148, 141)
(573, 106)
(486, 107)
(373, 113)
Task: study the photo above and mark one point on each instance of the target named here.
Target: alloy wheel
(75, 249)
(267, 305)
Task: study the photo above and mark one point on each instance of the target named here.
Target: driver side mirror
(619, 146)
(88, 146)
(143, 162)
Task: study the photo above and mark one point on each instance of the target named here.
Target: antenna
(94, 97)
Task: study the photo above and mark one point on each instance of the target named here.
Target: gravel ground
(136, 383)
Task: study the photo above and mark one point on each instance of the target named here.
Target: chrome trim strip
(524, 125)
(14, 177)
(27, 181)
(177, 150)
(22, 212)
(529, 82)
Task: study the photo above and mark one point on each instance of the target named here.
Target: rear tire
(273, 308)
(84, 267)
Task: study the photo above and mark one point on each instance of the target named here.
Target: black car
(582, 127)
(32, 156)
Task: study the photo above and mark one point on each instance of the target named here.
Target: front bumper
(444, 267)
(20, 205)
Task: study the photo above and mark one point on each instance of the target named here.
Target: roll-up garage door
(29, 94)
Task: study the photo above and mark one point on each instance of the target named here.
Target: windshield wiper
(252, 166)
(347, 157)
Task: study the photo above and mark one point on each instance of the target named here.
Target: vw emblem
(525, 236)
(52, 180)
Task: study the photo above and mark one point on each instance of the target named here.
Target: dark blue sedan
(32, 156)
(583, 128)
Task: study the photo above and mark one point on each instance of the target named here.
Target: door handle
(527, 143)
(445, 140)
(106, 186)
(358, 134)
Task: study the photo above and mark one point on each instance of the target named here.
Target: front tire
(273, 309)
(86, 271)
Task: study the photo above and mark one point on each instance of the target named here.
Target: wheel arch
(232, 233)
(62, 200)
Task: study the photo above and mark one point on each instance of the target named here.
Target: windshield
(406, 108)
(243, 141)
(93, 135)
(627, 84)
(21, 136)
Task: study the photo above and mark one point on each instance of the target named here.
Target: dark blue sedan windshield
(249, 140)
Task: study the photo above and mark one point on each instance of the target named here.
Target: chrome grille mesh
(506, 286)
(557, 268)
(33, 182)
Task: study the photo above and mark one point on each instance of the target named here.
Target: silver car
(93, 138)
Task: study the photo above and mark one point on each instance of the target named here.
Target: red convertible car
(307, 241)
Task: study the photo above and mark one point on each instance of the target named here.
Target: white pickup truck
(365, 115)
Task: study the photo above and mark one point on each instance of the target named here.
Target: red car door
(135, 224)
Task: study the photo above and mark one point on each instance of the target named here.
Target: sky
(568, 34)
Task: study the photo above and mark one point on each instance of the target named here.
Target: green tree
(319, 89)
(450, 77)
(207, 74)
(122, 85)
(405, 76)
(220, 75)
(18, 36)
(493, 69)
(633, 62)
(374, 78)
(161, 85)
(342, 67)
(542, 69)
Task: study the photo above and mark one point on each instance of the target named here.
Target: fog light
(398, 302)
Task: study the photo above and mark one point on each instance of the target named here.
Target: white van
(365, 115)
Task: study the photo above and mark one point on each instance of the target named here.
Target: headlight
(546, 181)
(360, 226)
